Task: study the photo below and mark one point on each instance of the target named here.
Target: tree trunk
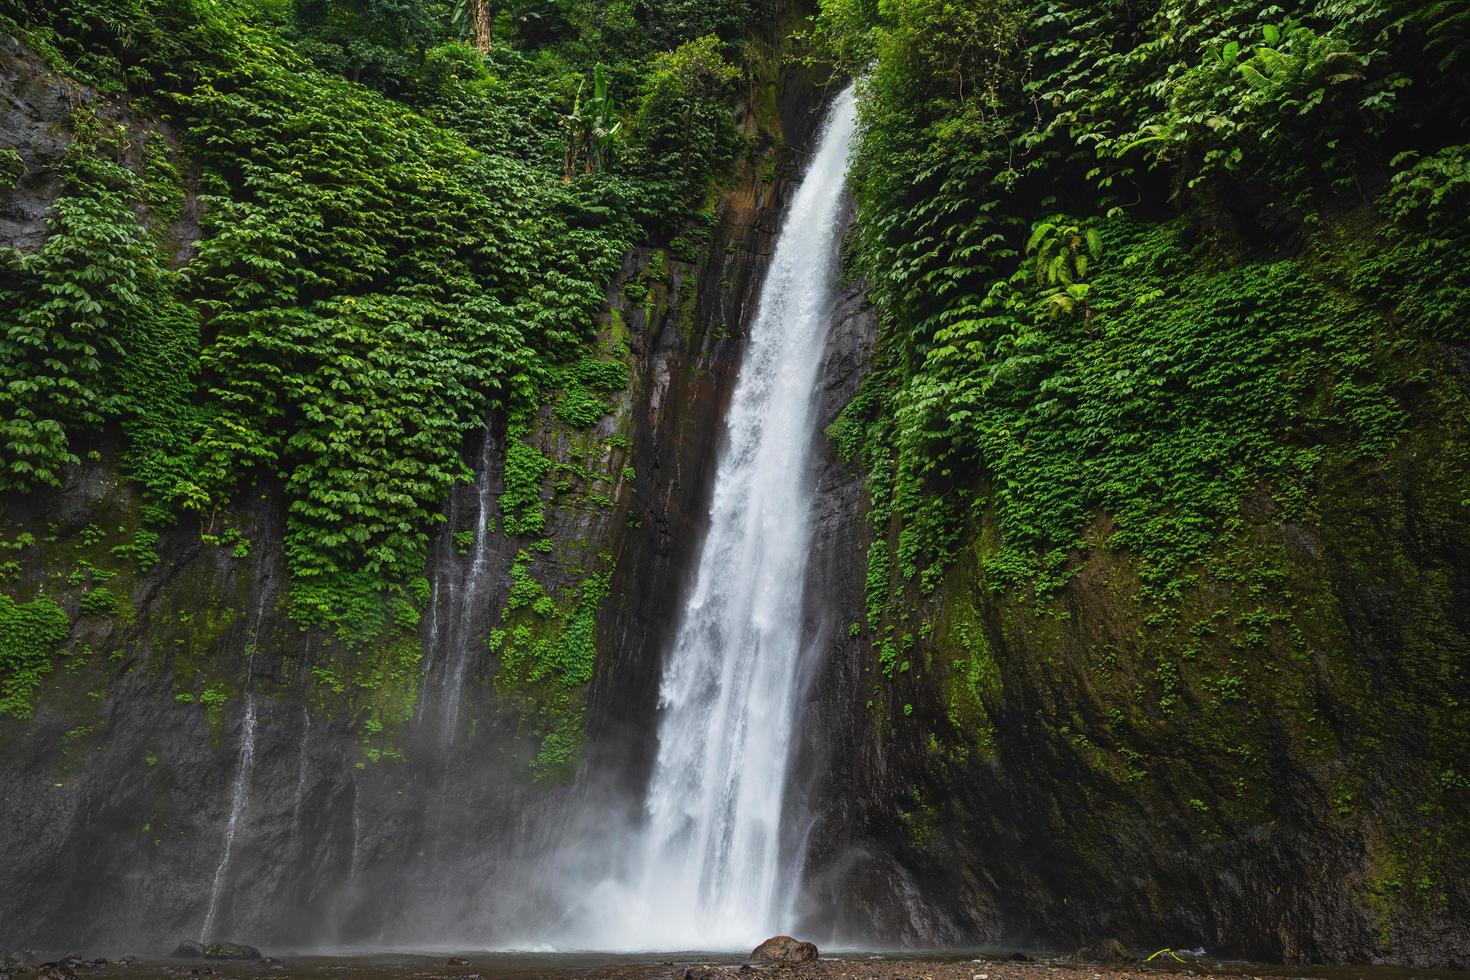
(483, 38)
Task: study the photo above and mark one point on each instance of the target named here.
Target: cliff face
(194, 756)
(1270, 769)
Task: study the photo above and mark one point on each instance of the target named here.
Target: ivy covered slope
(354, 383)
(272, 272)
(1168, 450)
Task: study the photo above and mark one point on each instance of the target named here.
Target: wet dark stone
(784, 949)
(231, 951)
(456, 961)
(188, 950)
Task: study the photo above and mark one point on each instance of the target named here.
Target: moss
(546, 648)
(385, 694)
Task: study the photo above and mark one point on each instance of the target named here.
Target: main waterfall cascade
(706, 868)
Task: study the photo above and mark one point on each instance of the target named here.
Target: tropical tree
(591, 128)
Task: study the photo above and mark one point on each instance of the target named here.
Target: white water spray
(706, 873)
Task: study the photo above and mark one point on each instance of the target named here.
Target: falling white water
(240, 794)
(707, 871)
(461, 643)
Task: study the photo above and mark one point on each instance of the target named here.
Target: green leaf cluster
(1063, 213)
(547, 649)
(29, 633)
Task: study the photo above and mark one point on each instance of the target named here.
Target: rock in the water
(1103, 951)
(784, 949)
(231, 951)
(188, 950)
(456, 961)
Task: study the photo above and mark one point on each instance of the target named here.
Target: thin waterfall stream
(707, 869)
(240, 791)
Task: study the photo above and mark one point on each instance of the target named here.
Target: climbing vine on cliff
(1172, 297)
(375, 278)
(1050, 331)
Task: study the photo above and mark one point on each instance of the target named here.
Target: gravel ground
(496, 966)
(885, 969)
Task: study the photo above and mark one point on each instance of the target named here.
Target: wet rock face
(118, 799)
(916, 831)
(36, 123)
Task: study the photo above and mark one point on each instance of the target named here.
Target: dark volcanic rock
(784, 949)
(231, 951)
(188, 950)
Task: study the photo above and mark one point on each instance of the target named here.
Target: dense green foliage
(375, 276)
(92, 329)
(1042, 332)
(29, 632)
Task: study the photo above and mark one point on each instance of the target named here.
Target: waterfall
(240, 792)
(459, 605)
(464, 641)
(707, 870)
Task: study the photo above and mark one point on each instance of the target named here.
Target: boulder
(188, 950)
(231, 951)
(784, 949)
